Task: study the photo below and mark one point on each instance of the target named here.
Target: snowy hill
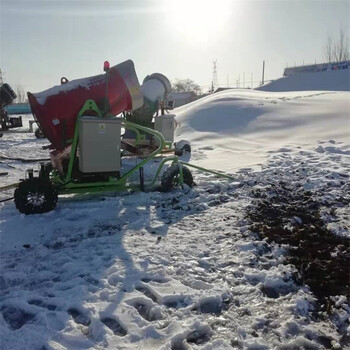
(335, 80)
(240, 128)
(255, 263)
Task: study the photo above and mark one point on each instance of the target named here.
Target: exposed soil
(288, 215)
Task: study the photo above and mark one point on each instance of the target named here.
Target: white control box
(99, 144)
(165, 124)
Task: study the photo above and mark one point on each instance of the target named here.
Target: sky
(44, 40)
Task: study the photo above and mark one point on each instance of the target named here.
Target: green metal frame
(66, 184)
(216, 173)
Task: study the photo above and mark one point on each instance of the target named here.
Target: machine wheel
(171, 177)
(35, 196)
(39, 134)
(187, 148)
(181, 147)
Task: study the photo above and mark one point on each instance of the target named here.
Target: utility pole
(215, 82)
(263, 73)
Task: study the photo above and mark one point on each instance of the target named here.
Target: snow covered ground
(190, 269)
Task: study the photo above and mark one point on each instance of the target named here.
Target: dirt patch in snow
(287, 214)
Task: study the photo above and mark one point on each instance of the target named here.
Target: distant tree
(336, 51)
(342, 47)
(186, 85)
(328, 49)
(21, 95)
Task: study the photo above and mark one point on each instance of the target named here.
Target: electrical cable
(7, 199)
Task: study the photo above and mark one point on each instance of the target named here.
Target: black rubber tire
(35, 196)
(170, 178)
(39, 134)
(180, 151)
(186, 148)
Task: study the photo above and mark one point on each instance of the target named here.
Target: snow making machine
(7, 96)
(92, 123)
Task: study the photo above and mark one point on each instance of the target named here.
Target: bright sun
(199, 20)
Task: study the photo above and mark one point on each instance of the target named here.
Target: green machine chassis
(67, 184)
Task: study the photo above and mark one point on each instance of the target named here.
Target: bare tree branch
(342, 49)
(337, 51)
(328, 49)
(21, 95)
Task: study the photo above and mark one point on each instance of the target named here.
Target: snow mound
(244, 126)
(335, 80)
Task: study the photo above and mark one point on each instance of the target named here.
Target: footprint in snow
(147, 293)
(114, 326)
(79, 317)
(42, 304)
(197, 337)
(211, 306)
(156, 280)
(176, 304)
(16, 318)
(147, 312)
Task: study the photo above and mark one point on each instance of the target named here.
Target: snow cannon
(56, 109)
(7, 96)
(81, 119)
